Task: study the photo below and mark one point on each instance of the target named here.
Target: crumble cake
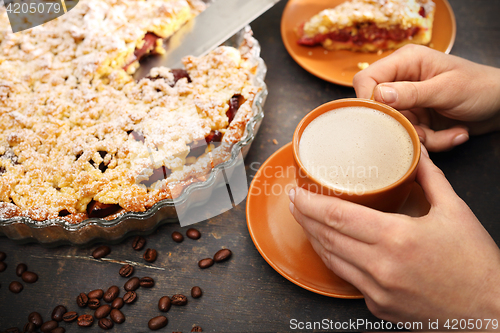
(80, 138)
(370, 25)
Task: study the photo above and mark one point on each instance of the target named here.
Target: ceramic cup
(390, 198)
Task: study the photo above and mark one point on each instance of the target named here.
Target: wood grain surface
(245, 293)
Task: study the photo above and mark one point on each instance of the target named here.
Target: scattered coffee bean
(105, 323)
(29, 277)
(29, 327)
(196, 292)
(205, 263)
(102, 311)
(164, 304)
(85, 320)
(101, 252)
(147, 282)
(138, 243)
(111, 294)
(82, 300)
(69, 317)
(93, 303)
(177, 237)
(157, 323)
(196, 329)
(3, 266)
(126, 270)
(150, 255)
(58, 330)
(132, 284)
(117, 303)
(35, 318)
(222, 255)
(130, 297)
(117, 316)
(58, 312)
(179, 300)
(48, 326)
(98, 293)
(16, 287)
(2, 256)
(20, 269)
(193, 233)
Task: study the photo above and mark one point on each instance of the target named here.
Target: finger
(436, 187)
(340, 267)
(443, 140)
(356, 221)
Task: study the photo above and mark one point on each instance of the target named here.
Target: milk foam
(356, 149)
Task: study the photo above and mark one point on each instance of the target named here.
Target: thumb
(436, 187)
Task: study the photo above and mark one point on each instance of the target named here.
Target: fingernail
(424, 150)
(421, 138)
(388, 94)
(291, 195)
(292, 207)
(459, 139)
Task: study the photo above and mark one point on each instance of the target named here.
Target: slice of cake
(370, 25)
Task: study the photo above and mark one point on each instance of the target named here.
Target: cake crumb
(379, 52)
(275, 141)
(310, 53)
(363, 65)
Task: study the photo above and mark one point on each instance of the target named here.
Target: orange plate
(340, 66)
(281, 240)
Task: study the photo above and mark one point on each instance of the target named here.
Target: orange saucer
(280, 239)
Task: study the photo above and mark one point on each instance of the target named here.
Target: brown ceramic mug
(389, 198)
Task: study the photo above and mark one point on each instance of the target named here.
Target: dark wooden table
(245, 293)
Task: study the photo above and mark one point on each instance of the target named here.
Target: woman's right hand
(444, 96)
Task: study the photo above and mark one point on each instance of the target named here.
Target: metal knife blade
(221, 20)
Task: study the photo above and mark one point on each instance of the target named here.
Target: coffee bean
(85, 320)
(130, 297)
(132, 284)
(29, 327)
(179, 300)
(3, 266)
(126, 270)
(29, 277)
(98, 293)
(102, 311)
(196, 292)
(12, 330)
(196, 329)
(101, 252)
(16, 287)
(117, 316)
(150, 255)
(157, 323)
(69, 317)
(58, 312)
(222, 255)
(35, 318)
(205, 263)
(177, 237)
(147, 282)
(2, 256)
(111, 294)
(193, 233)
(93, 303)
(105, 324)
(164, 304)
(58, 330)
(48, 326)
(117, 303)
(20, 269)
(82, 300)
(138, 243)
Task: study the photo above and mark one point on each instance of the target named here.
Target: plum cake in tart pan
(88, 153)
(370, 25)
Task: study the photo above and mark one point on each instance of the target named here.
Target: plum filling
(2, 170)
(147, 48)
(102, 166)
(137, 136)
(100, 210)
(234, 105)
(64, 213)
(366, 33)
(214, 136)
(158, 174)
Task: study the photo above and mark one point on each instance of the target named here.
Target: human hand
(445, 97)
(440, 266)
